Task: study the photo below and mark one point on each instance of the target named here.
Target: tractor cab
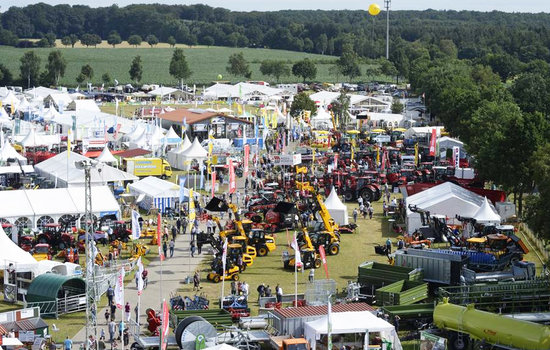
(263, 242)
(121, 231)
(235, 250)
(26, 242)
(42, 251)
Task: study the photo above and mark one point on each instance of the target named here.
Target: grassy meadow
(205, 62)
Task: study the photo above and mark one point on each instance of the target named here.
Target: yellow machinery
(237, 237)
(309, 256)
(42, 251)
(329, 237)
(139, 250)
(230, 274)
(236, 249)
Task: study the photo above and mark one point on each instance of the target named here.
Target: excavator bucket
(284, 207)
(216, 205)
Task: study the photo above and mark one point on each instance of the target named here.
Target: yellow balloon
(374, 9)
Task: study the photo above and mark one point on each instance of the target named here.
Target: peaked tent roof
(11, 253)
(106, 156)
(8, 151)
(171, 137)
(333, 201)
(195, 151)
(33, 139)
(486, 214)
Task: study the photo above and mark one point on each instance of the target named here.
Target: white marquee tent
(8, 152)
(171, 137)
(349, 323)
(11, 253)
(322, 120)
(106, 156)
(487, 214)
(158, 193)
(193, 152)
(173, 156)
(445, 199)
(337, 209)
(62, 169)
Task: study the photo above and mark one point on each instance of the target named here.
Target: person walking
(371, 211)
(136, 311)
(196, 281)
(127, 311)
(192, 248)
(110, 294)
(311, 276)
(388, 246)
(244, 289)
(184, 224)
(164, 247)
(121, 327)
(355, 213)
(107, 315)
(112, 329)
(233, 288)
(172, 245)
(178, 224)
(174, 232)
(279, 293)
(113, 311)
(68, 343)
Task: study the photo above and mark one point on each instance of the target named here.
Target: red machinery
(153, 322)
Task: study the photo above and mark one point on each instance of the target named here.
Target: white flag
(296, 247)
(135, 225)
(140, 276)
(224, 254)
(329, 324)
(119, 289)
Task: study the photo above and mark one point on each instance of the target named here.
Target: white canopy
(322, 119)
(172, 138)
(158, 193)
(106, 156)
(34, 139)
(351, 322)
(337, 209)
(11, 253)
(175, 157)
(193, 152)
(4, 117)
(445, 199)
(8, 151)
(62, 169)
(486, 214)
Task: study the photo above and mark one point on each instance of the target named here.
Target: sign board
(382, 139)
(430, 341)
(287, 159)
(26, 336)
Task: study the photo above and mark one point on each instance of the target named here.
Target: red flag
(246, 156)
(213, 183)
(232, 180)
(383, 163)
(323, 259)
(335, 165)
(159, 236)
(165, 329)
(432, 142)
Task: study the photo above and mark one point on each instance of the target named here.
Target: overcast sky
(269, 5)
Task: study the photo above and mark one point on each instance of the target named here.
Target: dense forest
(524, 36)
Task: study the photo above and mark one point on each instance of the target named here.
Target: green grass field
(205, 62)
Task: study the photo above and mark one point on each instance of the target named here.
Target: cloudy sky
(267, 5)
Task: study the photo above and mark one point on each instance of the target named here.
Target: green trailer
(402, 293)
(376, 275)
(410, 312)
(218, 318)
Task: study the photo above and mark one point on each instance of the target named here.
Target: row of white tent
(182, 156)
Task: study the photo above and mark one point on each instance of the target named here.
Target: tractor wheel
(135, 346)
(235, 277)
(262, 250)
(334, 249)
(348, 196)
(367, 195)
(317, 263)
(216, 279)
(242, 268)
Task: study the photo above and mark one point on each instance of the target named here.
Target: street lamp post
(387, 4)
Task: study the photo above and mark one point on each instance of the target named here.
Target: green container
(377, 275)
(414, 311)
(402, 293)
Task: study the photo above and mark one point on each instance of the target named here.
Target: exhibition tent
(106, 156)
(174, 157)
(322, 120)
(8, 152)
(11, 253)
(193, 152)
(172, 138)
(486, 214)
(446, 199)
(158, 193)
(337, 209)
(349, 323)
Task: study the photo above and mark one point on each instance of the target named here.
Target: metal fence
(317, 293)
(538, 243)
(60, 306)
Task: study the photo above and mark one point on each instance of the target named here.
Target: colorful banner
(335, 164)
(159, 237)
(296, 247)
(323, 259)
(432, 142)
(165, 325)
(141, 283)
(246, 156)
(383, 164)
(224, 255)
(119, 289)
(136, 232)
(456, 157)
(213, 183)
(232, 180)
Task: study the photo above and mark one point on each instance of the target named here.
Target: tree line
(475, 34)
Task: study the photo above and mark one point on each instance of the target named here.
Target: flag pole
(295, 283)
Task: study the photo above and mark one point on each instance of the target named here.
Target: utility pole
(387, 4)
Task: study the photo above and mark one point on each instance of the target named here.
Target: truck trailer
(143, 167)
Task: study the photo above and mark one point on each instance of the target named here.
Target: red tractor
(51, 234)
(36, 155)
(121, 231)
(363, 186)
(26, 242)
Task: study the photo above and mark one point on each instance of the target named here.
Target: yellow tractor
(231, 270)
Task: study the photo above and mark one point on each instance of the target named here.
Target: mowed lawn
(355, 249)
(205, 63)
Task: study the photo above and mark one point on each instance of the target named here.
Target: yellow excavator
(255, 238)
(308, 254)
(325, 233)
(236, 237)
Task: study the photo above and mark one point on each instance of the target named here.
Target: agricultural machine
(236, 305)
(121, 231)
(42, 251)
(52, 234)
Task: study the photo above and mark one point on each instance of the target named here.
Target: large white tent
(158, 193)
(8, 152)
(446, 199)
(337, 209)
(171, 137)
(193, 152)
(349, 323)
(34, 207)
(322, 120)
(11, 253)
(62, 169)
(106, 156)
(174, 157)
(487, 214)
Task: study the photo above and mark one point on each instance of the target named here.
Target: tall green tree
(136, 69)
(56, 66)
(301, 103)
(179, 68)
(348, 63)
(305, 69)
(152, 40)
(274, 68)
(7, 77)
(106, 78)
(135, 40)
(238, 66)
(30, 68)
(171, 41)
(340, 108)
(86, 74)
(114, 38)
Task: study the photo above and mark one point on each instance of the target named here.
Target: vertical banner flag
(416, 154)
(329, 324)
(140, 276)
(119, 289)
(456, 157)
(335, 166)
(182, 188)
(383, 164)
(135, 224)
(323, 258)
(192, 215)
(213, 183)
(246, 156)
(224, 254)
(159, 237)
(297, 256)
(232, 180)
(69, 136)
(165, 328)
(377, 155)
(432, 142)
